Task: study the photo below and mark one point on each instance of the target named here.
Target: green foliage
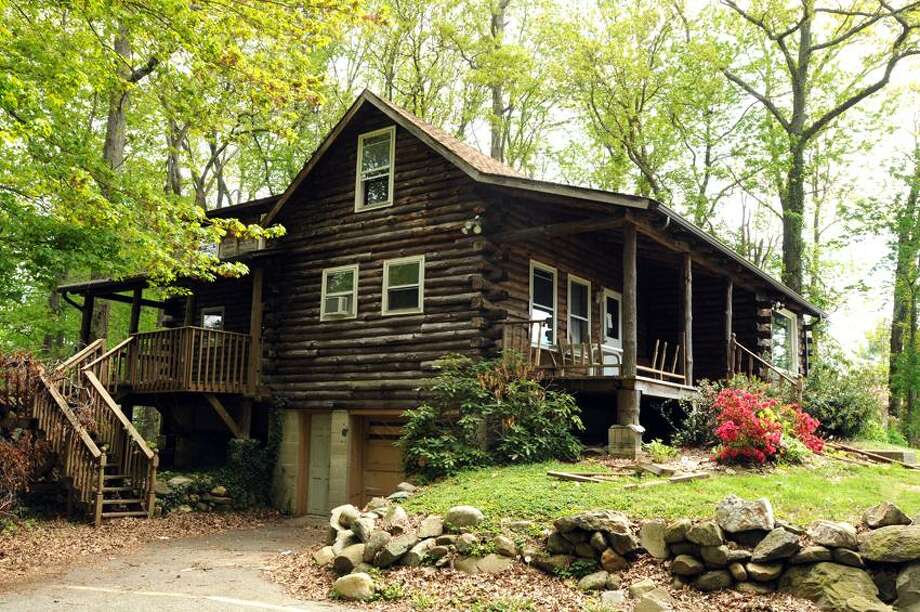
(249, 470)
(579, 568)
(488, 411)
(844, 399)
(503, 604)
(659, 451)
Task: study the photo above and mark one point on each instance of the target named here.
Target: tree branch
(760, 97)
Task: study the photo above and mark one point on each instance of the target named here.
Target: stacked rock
(603, 536)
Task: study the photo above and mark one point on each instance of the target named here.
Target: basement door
(381, 461)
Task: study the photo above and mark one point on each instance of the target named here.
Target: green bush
(842, 398)
(488, 412)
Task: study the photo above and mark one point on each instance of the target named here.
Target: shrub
(488, 411)
(660, 452)
(20, 458)
(842, 399)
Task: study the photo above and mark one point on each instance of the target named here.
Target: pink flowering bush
(750, 427)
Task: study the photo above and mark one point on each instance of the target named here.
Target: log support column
(729, 331)
(687, 287)
(86, 323)
(255, 331)
(625, 438)
(135, 322)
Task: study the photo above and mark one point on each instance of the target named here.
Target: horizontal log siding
(373, 361)
(708, 326)
(234, 295)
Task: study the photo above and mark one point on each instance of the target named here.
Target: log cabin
(404, 244)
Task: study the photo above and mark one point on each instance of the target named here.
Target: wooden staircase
(108, 468)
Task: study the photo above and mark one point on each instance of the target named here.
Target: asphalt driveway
(220, 572)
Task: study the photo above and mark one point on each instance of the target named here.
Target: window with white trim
(579, 306)
(339, 298)
(403, 285)
(212, 318)
(543, 303)
(374, 180)
(785, 341)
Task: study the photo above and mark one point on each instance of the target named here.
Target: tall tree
(874, 35)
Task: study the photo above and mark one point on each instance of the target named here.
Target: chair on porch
(664, 366)
(583, 358)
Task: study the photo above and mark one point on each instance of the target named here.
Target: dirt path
(206, 573)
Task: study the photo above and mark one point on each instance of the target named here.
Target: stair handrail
(116, 409)
(79, 355)
(70, 416)
(108, 355)
(796, 382)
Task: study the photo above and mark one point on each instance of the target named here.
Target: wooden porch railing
(745, 361)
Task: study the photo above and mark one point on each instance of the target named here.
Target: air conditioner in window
(338, 305)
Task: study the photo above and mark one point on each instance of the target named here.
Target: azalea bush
(752, 427)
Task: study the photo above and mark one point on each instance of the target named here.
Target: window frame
(354, 268)
(214, 310)
(385, 309)
(577, 280)
(536, 265)
(794, 331)
(359, 178)
(618, 297)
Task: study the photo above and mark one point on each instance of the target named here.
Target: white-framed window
(579, 307)
(404, 285)
(543, 302)
(785, 341)
(613, 321)
(213, 317)
(339, 298)
(374, 176)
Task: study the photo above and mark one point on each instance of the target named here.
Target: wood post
(100, 483)
(246, 416)
(729, 332)
(630, 326)
(687, 284)
(255, 331)
(86, 323)
(135, 322)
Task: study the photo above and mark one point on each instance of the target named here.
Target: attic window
(374, 181)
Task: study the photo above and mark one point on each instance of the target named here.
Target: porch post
(687, 283)
(625, 438)
(86, 323)
(729, 289)
(135, 322)
(255, 330)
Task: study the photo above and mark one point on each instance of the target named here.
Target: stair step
(126, 513)
(113, 489)
(121, 501)
(113, 476)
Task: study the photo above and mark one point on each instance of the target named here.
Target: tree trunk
(173, 143)
(793, 201)
(497, 119)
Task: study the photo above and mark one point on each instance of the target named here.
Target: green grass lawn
(798, 494)
(872, 444)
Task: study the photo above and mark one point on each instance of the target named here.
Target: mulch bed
(36, 548)
(430, 589)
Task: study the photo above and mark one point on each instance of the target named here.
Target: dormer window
(374, 183)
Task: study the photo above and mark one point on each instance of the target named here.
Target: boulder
(395, 549)
(417, 553)
(460, 517)
(685, 565)
(651, 537)
(714, 580)
(641, 587)
(342, 540)
(734, 514)
(596, 581)
(363, 528)
(162, 489)
(612, 561)
(552, 564)
(342, 517)
(323, 556)
(376, 503)
(738, 555)
(656, 600)
(764, 572)
(585, 550)
(346, 561)
(355, 587)
(177, 482)
(598, 542)
(790, 527)
(908, 588)
(707, 533)
(576, 536)
(184, 509)
(833, 534)
(715, 556)
(438, 551)
(399, 496)
(754, 588)
(623, 543)
(779, 544)
(394, 519)
(613, 600)
(677, 531)
(465, 543)
(685, 548)
(748, 539)
(407, 487)
(219, 491)
(504, 546)
(377, 540)
(845, 556)
(448, 539)
(884, 515)
(490, 564)
(607, 521)
(431, 527)
(811, 554)
(558, 545)
(892, 544)
(738, 572)
(833, 587)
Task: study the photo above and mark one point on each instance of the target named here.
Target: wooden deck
(650, 387)
(184, 359)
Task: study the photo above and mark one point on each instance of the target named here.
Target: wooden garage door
(382, 461)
